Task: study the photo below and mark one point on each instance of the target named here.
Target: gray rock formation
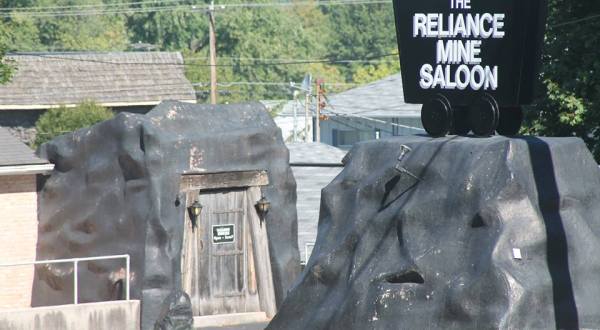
(176, 313)
(495, 233)
(114, 190)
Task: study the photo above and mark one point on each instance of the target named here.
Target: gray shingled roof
(315, 153)
(383, 98)
(43, 80)
(314, 166)
(14, 152)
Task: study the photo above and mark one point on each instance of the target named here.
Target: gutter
(71, 105)
(316, 164)
(26, 169)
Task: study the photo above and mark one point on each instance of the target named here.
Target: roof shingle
(45, 80)
(14, 152)
(380, 99)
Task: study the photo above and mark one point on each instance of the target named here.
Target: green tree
(62, 120)
(273, 35)
(360, 32)
(28, 32)
(180, 29)
(368, 73)
(6, 68)
(569, 93)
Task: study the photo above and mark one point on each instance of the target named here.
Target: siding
(18, 238)
(309, 182)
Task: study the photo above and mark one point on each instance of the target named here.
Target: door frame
(253, 181)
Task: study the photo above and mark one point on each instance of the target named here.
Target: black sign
(223, 234)
(465, 48)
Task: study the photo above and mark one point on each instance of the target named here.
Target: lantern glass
(263, 205)
(196, 208)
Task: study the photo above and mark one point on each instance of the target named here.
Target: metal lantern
(263, 205)
(195, 210)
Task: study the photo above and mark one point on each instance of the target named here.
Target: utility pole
(213, 53)
(295, 136)
(320, 82)
(306, 108)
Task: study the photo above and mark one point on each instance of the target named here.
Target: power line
(125, 9)
(195, 59)
(332, 110)
(299, 62)
(167, 89)
(264, 83)
(86, 5)
(576, 21)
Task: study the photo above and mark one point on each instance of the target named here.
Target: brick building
(19, 169)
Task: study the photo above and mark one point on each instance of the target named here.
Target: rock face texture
(114, 190)
(495, 233)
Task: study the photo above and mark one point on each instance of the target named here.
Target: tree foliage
(246, 39)
(250, 42)
(361, 32)
(62, 120)
(569, 91)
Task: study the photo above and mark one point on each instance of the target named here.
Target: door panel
(218, 271)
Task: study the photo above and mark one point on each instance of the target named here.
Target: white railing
(308, 247)
(75, 262)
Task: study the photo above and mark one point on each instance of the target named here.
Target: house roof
(383, 98)
(315, 154)
(46, 80)
(17, 158)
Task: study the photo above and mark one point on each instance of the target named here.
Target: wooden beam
(219, 180)
(262, 258)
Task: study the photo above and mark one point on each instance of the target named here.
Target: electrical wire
(588, 18)
(299, 62)
(125, 9)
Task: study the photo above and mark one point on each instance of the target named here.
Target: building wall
(343, 132)
(309, 183)
(121, 315)
(18, 238)
(286, 124)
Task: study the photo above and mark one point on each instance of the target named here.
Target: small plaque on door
(223, 234)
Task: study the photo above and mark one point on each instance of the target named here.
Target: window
(349, 137)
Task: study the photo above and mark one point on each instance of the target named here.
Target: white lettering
(460, 4)
(477, 71)
(491, 78)
(419, 27)
(443, 52)
(432, 25)
(477, 77)
(475, 51)
(498, 26)
(438, 77)
(487, 17)
(462, 70)
(426, 77)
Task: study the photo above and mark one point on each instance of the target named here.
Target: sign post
(471, 63)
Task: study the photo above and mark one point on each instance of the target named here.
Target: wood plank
(262, 257)
(229, 320)
(220, 180)
(216, 276)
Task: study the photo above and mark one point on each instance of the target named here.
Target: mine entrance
(225, 258)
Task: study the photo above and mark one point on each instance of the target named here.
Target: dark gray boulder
(497, 233)
(176, 313)
(114, 190)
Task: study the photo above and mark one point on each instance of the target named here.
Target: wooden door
(218, 265)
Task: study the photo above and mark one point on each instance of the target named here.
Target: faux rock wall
(114, 188)
(496, 233)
